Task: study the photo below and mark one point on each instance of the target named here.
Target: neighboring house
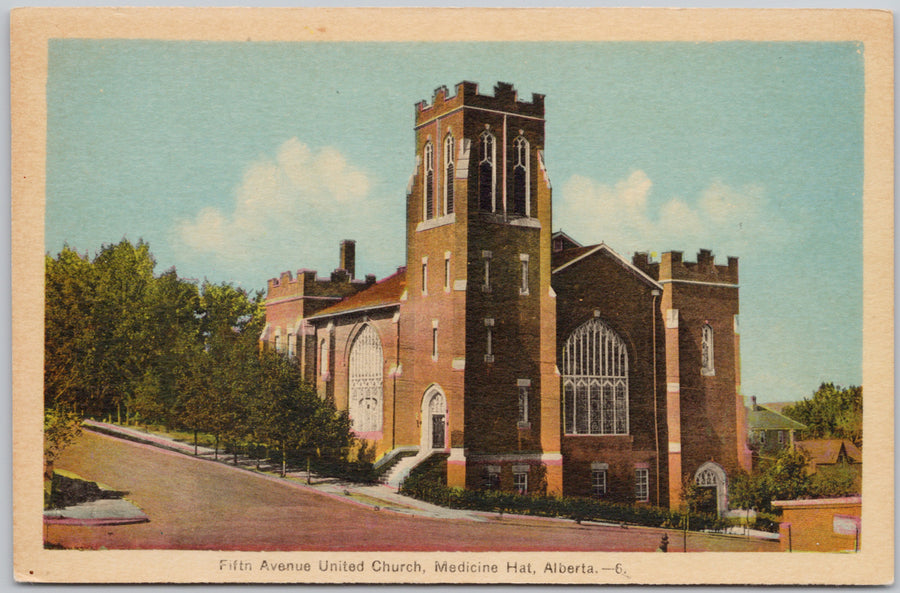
(829, 456)
(770, 431)
(536, 363)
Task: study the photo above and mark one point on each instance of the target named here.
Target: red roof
(827, 451)
(384, 293)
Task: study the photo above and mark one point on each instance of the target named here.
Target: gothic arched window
(595, 381)
(521, 177)
(323, 359)
(429, 180)
(366, 386)
(448, 174)
(487, 172)
(707, 358)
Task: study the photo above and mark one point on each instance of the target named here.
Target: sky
(237, 161)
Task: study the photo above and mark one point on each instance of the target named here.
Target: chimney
(348, 257)
(753, 402)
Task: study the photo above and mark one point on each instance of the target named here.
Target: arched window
(521, 177)
(429, 180)
(707, 358)
(366, 386)
(448, 174)
(487, 172)
(595, 381)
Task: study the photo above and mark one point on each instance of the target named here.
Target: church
(536, 363)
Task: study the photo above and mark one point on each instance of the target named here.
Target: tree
(832, 412)
(61, 427)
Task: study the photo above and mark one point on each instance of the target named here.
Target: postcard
(518, 296)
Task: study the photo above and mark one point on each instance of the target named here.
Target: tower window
(489, 340)
(486, 256)
(524, 392)
(434, 340)
(521, 177)
(429, 181)
(487, 173)
(448, 174)
(447, 271)
(707, 361)
(523, 266)
(424, 275)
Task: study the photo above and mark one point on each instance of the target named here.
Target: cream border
(32, 27)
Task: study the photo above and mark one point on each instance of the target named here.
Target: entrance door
(437, 431)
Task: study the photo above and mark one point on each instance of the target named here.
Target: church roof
(828, 451)
(761, 417)
(563, 259)
(385, 293)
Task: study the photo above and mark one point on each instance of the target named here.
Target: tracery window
(521, 181)
(487, 172)
(448, 174)
(707, 359)
(706, 477)
(366, 386)
(429, 180)
(595, 381)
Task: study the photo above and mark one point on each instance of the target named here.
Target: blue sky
(236, 161)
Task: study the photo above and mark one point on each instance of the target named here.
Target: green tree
(61, 427)
(832, 412)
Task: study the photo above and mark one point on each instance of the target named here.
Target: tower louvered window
(429, 181)
(707, 360)
(521, 183)
(487, 172)
(366, 386)
(595, 381)
(448, 174)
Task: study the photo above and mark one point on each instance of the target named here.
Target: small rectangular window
(492, 479)
(486, 256)
(447, 272)
(424, 277)
(598, 483)
(523, 405)
(489, 340)
(642, 484)
(780, 437)
(520, 482)
(523, 289)
(434, 349)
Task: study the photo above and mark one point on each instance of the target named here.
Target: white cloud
(281, 204)
(626, 216)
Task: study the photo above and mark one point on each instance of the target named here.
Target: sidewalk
(376, 496)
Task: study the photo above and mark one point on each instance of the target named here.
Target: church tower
(478, 324)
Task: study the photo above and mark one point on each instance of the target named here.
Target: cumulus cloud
(628, 217)
(281, 202)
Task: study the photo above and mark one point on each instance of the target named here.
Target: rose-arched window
(595, 381)
(366, 386)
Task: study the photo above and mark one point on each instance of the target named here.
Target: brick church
(536, 363)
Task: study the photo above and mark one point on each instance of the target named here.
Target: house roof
(779, 406)
(827, 451)
(760, 417)
(566, 239)
(385, 293)
(560, 260)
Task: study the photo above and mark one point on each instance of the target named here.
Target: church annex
(535, 362)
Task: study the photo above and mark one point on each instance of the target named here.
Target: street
(195, 504)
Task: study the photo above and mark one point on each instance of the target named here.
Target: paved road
(197, 504)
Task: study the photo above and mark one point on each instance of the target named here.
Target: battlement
(307, 283)
(672, 267)
(505, 98)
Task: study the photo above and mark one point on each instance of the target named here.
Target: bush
(427, 484)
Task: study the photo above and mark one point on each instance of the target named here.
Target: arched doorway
(711, 476)
(434, 420)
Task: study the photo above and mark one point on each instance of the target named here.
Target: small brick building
(537, 363)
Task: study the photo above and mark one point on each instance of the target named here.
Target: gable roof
(563, 259)
(568, 241)
(385, 293)
(760, 417)
(827, 451)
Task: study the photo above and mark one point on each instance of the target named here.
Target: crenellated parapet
(672, 267)
(505, 99)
